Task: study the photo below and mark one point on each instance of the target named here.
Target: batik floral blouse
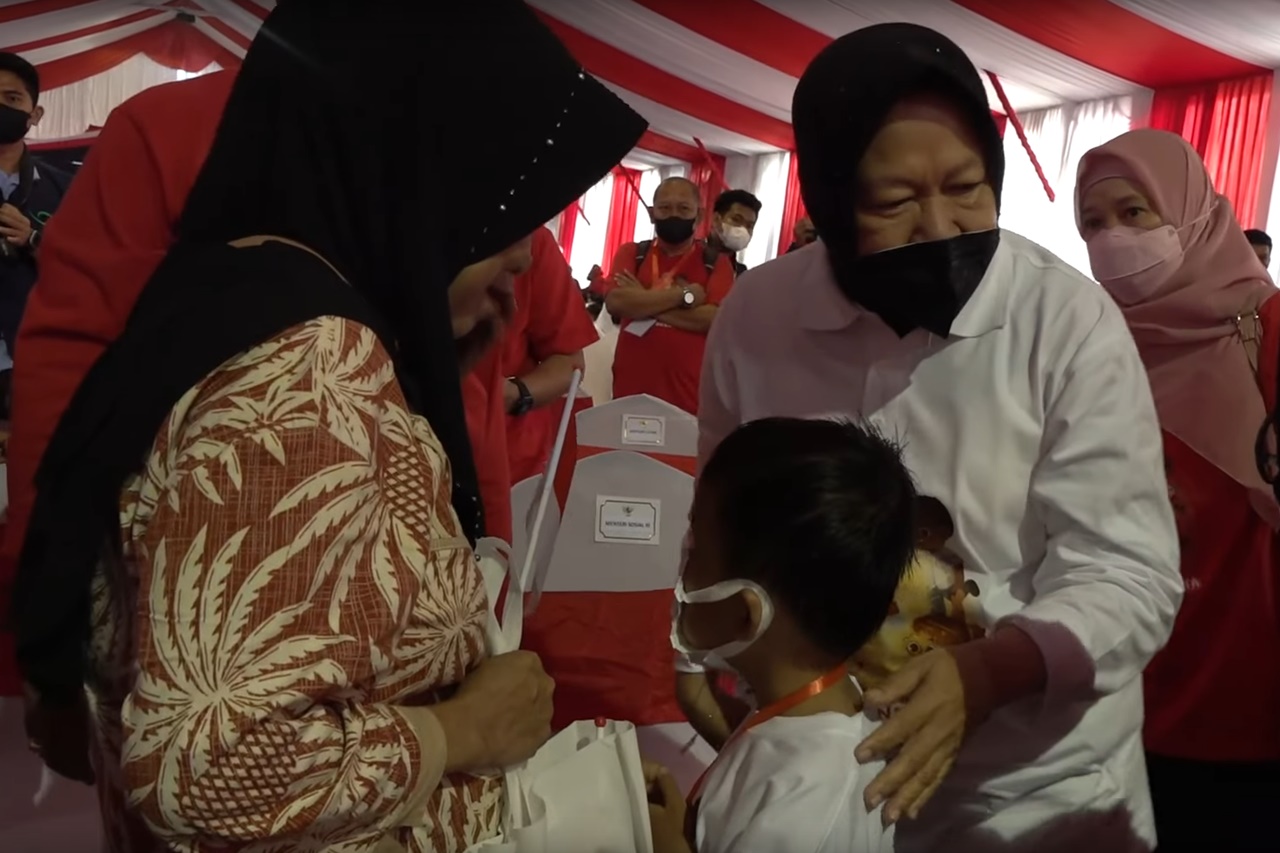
(294, 587)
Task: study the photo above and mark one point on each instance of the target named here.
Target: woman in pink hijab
(1169, 250)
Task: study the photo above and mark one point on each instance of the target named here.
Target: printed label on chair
(628, 521)
(646, 430)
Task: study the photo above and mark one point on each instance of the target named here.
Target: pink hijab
(1205, 389)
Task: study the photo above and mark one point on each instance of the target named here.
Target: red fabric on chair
(1226, 122)
(609, 652)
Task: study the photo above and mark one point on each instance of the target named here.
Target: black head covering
(400, 150)
(846, 93)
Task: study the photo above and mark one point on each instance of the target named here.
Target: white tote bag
(584, 791)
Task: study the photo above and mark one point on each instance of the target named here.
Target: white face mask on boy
(718, 657)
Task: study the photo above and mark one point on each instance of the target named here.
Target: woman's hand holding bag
(500, 716)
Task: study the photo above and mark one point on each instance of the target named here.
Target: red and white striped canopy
(722, 71)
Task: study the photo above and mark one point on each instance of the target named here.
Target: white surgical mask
(718, 658)
(734, 237)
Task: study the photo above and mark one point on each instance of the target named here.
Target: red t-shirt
(111, 232)
(550, 319)
(1213, 693)
(487, 427)
(666, 362)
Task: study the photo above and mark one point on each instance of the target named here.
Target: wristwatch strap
(525, 401)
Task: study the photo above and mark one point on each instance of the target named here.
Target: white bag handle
(493, 556)
(545, 489)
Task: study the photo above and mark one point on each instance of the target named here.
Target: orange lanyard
(764, 715)
(660, 281)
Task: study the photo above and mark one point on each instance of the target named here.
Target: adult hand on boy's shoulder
(666, 810)
(926, 732)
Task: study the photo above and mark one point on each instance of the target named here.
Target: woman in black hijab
(835, 123)
(1013, 663)
(255, 513)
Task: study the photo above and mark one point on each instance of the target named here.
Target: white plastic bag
(583, 791)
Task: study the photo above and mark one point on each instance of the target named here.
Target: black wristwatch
(525, 401)
(687, 298)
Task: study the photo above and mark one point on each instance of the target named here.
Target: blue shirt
(8, 184)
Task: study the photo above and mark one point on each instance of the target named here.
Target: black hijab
(843, 98)
(398, 149)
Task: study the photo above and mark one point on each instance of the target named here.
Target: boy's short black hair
(1257, 237)
(24, 71)
(727, 199)
(822, 514)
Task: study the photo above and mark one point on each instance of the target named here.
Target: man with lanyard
(31, 191)
(666, 294)
(542, 347)
(733, 222)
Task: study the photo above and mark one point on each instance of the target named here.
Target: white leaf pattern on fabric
(292, 570)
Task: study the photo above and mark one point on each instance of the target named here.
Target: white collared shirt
(1033, 424)
(791, 785)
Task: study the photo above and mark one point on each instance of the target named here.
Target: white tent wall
(764, 175)
(589, 232)
(1269, 197)
(72, 109)
(1059, 136)
(648, 183)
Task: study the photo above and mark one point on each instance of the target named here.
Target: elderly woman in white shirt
(1015, 649)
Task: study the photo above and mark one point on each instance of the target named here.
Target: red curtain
(175, 44)
(568, 223)
(1226, 123)
(792, 207)
(1001, 120)
(624, 206)
(708, 177)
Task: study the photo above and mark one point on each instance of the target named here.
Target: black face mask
(673, 230)
(13, 124)
(920, 285)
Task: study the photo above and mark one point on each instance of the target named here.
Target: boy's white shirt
(792, 784)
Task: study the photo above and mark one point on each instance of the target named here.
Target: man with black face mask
(1013, 656)
(666, 292)
(30, 190)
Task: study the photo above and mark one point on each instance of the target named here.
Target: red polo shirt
(666, 362)
(550, 319)
(487, 427)
(110, 234)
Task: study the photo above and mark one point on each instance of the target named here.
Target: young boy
(801, 531)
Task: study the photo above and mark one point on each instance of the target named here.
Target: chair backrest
(524, 504)
(622, 527)
(640, 423)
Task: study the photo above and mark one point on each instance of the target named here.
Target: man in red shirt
(666, 293)
(112, 230)
(542, 348)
